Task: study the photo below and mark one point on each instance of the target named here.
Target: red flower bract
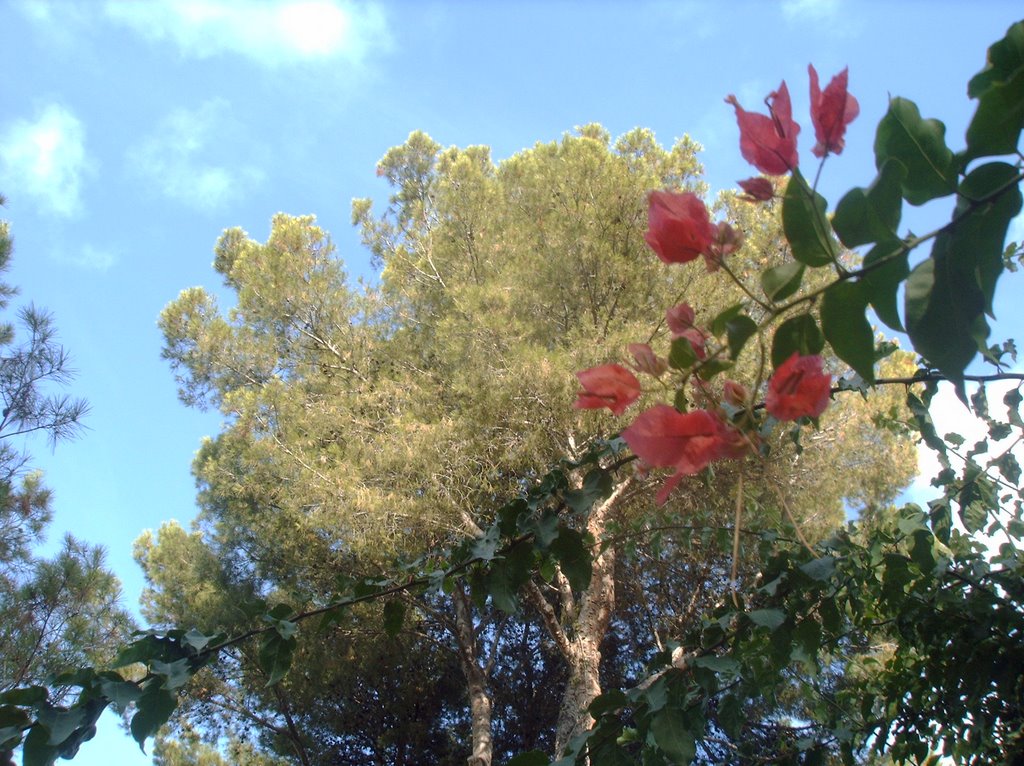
(758, 189)
(831, 112)
(663, 437)
(610, 385)
(678, 226)
(646, 360)
(768, 142)
(680, 318)
(726, 242)
(799, 388)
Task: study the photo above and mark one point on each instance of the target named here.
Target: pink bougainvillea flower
(831, 111)
(735, 393)
(798, 388)
(680, 318)
(663, 437)
(610, 385)
(758, 189)
(768, 142)
(726, 242)
(733, 444)
(646, 360)
(678, 226)
(698, 340)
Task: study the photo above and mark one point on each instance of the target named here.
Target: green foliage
(919, 146)
(846, 328)
(56, 614)
(807, 229)
(799, 334)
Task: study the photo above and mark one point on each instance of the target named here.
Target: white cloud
(810, 10)
(178, 158)
(61, 23)
(93, 258)
(44, 159)
(270, 33)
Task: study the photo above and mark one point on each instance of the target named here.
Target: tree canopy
(368, 423)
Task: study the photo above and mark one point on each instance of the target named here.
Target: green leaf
(149, 647)
(543, 527)
(154, 708)
(831, 620)
(573, 557)
(738, 331)
(682, 355)
(281, 612)
(995, 128)
(731, 716)
(608, 702)
(922, 550)
(394, 616)
(718, 323)
(948, 294)
(121, 693)
(846, 327)
(920, 146)
(483, 548)
(197, 640)
(895, 578)
(941, 518)
(1003, 59)
(275, 656)
(507, 575)
(980, 236)
(872, 214)
(37, 751)
(806, 641)
(977, 498)
(996, 125)
(887, 267)
(798, 334)
(11, 716)
(597, 484)
(712, 367)
(780, 282)
(820, 569)
(58, 722)
(940, 322)
(10, 736)
(175, 674)
(26, 695)
(807, 229)
(726, 665)
(673, 737)
(1012, 400)
(768, 618)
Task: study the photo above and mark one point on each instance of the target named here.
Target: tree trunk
(578, 631)
(584, 657)
(476, 680)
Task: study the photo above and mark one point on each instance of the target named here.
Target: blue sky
(132, 134)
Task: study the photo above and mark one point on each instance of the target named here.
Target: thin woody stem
(734, 576)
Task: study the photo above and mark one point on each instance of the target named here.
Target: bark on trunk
(584, 658)
(579, 629)
(476, 681)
